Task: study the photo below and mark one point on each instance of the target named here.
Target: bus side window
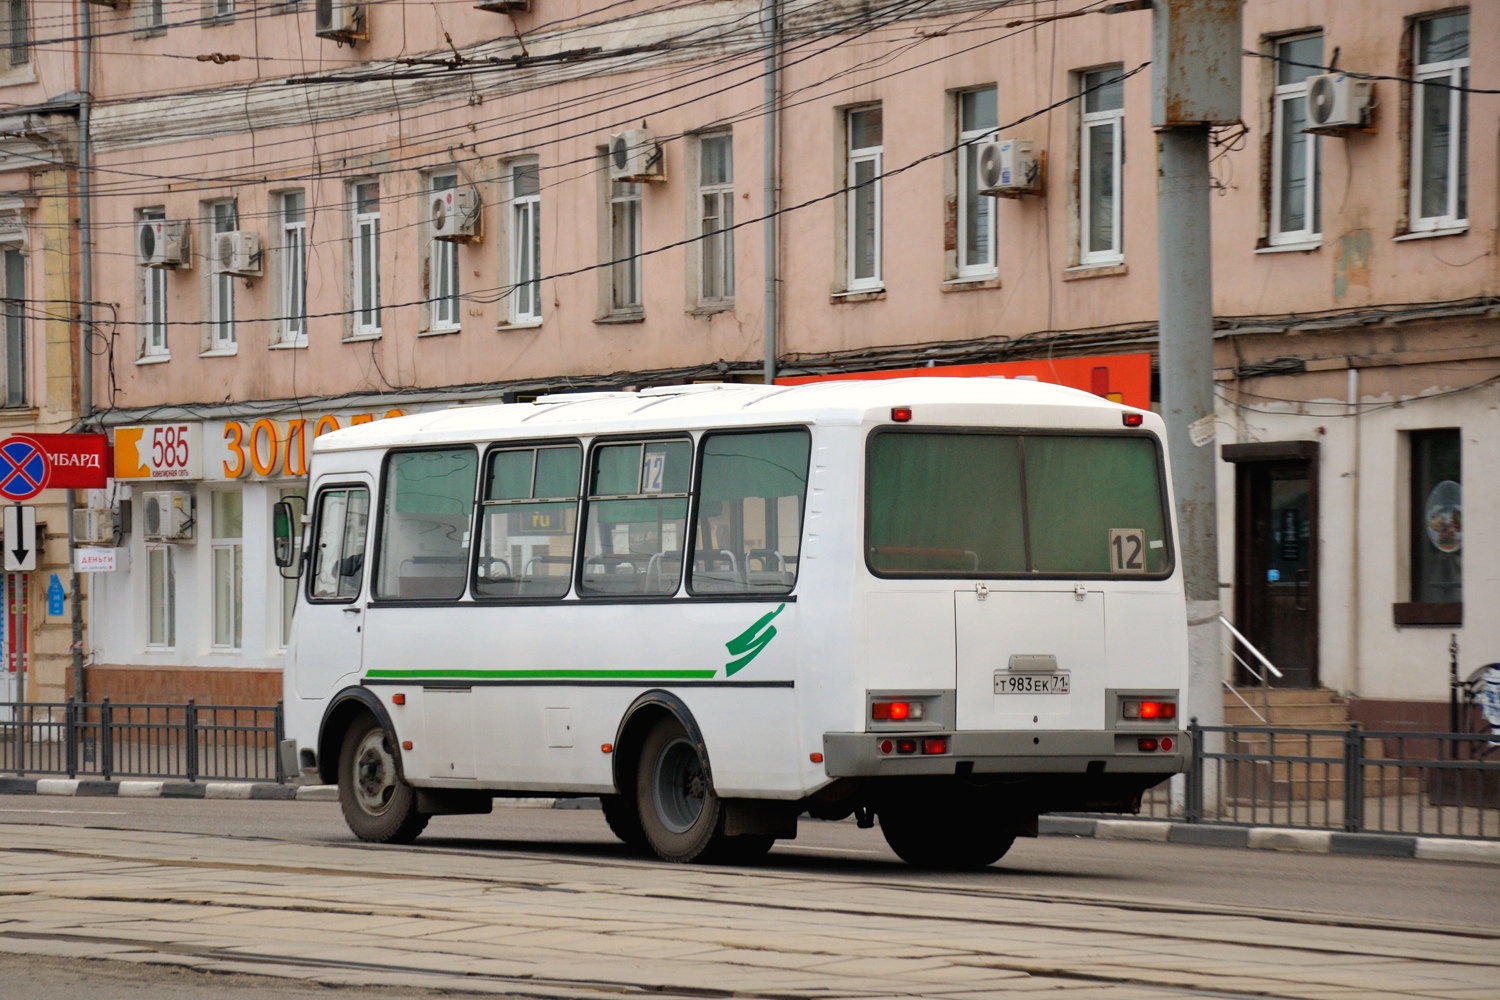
(338, 562)
(528, 520)
(637, 518)
(751, 496)
(424, 526)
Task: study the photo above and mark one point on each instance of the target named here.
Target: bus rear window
(986, 505)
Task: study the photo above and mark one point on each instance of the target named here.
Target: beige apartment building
(447, 204)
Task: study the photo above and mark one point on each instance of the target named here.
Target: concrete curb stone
(1271, 838)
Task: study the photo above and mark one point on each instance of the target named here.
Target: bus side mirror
(284, 539)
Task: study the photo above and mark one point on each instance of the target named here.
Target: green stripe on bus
(542, 674)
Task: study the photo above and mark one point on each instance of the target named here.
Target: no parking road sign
(24, 468)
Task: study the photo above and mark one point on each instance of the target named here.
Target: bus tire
(924, 840)
(746, 849)
(680, 815)
(624, 819)
(377, 803)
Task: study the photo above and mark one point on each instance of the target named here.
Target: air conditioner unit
(168, 516)
(635, 155)
(1009, 168)
(456, 215)
(93, 526)
(160, 243)
(1337, 102)
(340, 20)
(237, 253)
(505, 6)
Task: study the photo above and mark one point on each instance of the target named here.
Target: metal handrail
(1265, 681)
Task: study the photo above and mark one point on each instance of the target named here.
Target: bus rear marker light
(1146, 744)
(1134, 419)
(896, 711)
(406, 744)
(901, 414)
(398, 699)
(935, 744)
(906, 746)
(816, 758)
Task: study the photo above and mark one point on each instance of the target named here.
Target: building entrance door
(1276, 565)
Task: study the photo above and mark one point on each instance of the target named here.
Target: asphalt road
(1150, 886)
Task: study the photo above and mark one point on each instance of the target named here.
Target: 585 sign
(159, 451)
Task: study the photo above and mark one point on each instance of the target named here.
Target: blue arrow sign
(55, 596)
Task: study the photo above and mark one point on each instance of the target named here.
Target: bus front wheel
(943, 840)
(378, 805)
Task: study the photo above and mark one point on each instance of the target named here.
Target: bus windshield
(996, 504)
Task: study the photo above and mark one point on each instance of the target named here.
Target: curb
(1276, 838)
(135, 788)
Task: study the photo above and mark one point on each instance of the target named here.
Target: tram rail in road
(555, 909)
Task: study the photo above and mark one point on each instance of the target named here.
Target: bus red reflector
(406, 744)
(901, 414)
(1134, 419)
(935, 744)
(1146, 744)
(606, 748)
(906, 746)
(880, 710)
(1169, 710)
(1166, 744)
(398, 699)
(886, 746)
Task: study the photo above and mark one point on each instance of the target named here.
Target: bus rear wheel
(943, 840)
(624, 819)
(680, 815)
(377, 804)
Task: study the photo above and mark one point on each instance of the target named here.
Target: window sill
(858, 295)
(714, 308)
(525, 324)
(971, 283)
(360, 338)
(1414, 613)
(292, 346)
(220, 352)
(1428, 234)
(1094, 271)
(638, 316)
(441, 331)
(1303, 245)
(154, 359)
(19, 76)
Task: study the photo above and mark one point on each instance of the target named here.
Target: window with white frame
(625, 246)
(18, 31)
(978, 119)
(442, 269)
(293, 252)
(223, 217)
(151, 17)
(1440, 123)
(1295, 184)
(525, 243)
(161, 598)
(365, 257)
(13, 300)
(865, 127)
(218, 10)
(1101, 161)
(153, 318)
(228, 528)
(716, 218)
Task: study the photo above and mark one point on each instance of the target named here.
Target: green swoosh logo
(747, 645)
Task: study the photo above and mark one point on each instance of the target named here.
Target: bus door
(330, 622)
(1030, 659)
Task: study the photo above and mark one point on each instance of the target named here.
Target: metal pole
(772, 14)
(1185, 287)
(85, 309)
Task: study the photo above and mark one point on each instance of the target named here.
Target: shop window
(1435, 527)
(228, 515)
(750, 502)
(637, 516)
(424, 524)
(161, 597)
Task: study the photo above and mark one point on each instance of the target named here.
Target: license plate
(1008, 683)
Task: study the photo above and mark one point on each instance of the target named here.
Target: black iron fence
(118, 740)
(1347, 779)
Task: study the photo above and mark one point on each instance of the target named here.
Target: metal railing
(120, 740)
(1264, 676)
(1345, 779)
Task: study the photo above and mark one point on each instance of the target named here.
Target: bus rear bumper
(866, 755)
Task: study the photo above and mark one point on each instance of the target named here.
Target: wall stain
(1351, 263)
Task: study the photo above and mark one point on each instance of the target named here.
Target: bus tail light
(906, 746)
(1146, 744)
(935, 744)
(1149, 710)
(1166, 744)
(901, 414)
(896, 711)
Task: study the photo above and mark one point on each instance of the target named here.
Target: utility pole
(1195, 75)
(85, 309)
(771, 13)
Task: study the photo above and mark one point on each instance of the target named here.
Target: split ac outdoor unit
(93, 526)
(160, 243)
(237, 253)
(1009, 168)
(505, 6)
(340, 20)
(1337, 102)
(455, 215)
(168, 516)
(635, 155)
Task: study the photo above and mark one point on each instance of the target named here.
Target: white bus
(950, 604)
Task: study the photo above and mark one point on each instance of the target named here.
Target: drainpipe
(1353, 473)
(85, 309)
(771, 12)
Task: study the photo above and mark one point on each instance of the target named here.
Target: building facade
(435, 210)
